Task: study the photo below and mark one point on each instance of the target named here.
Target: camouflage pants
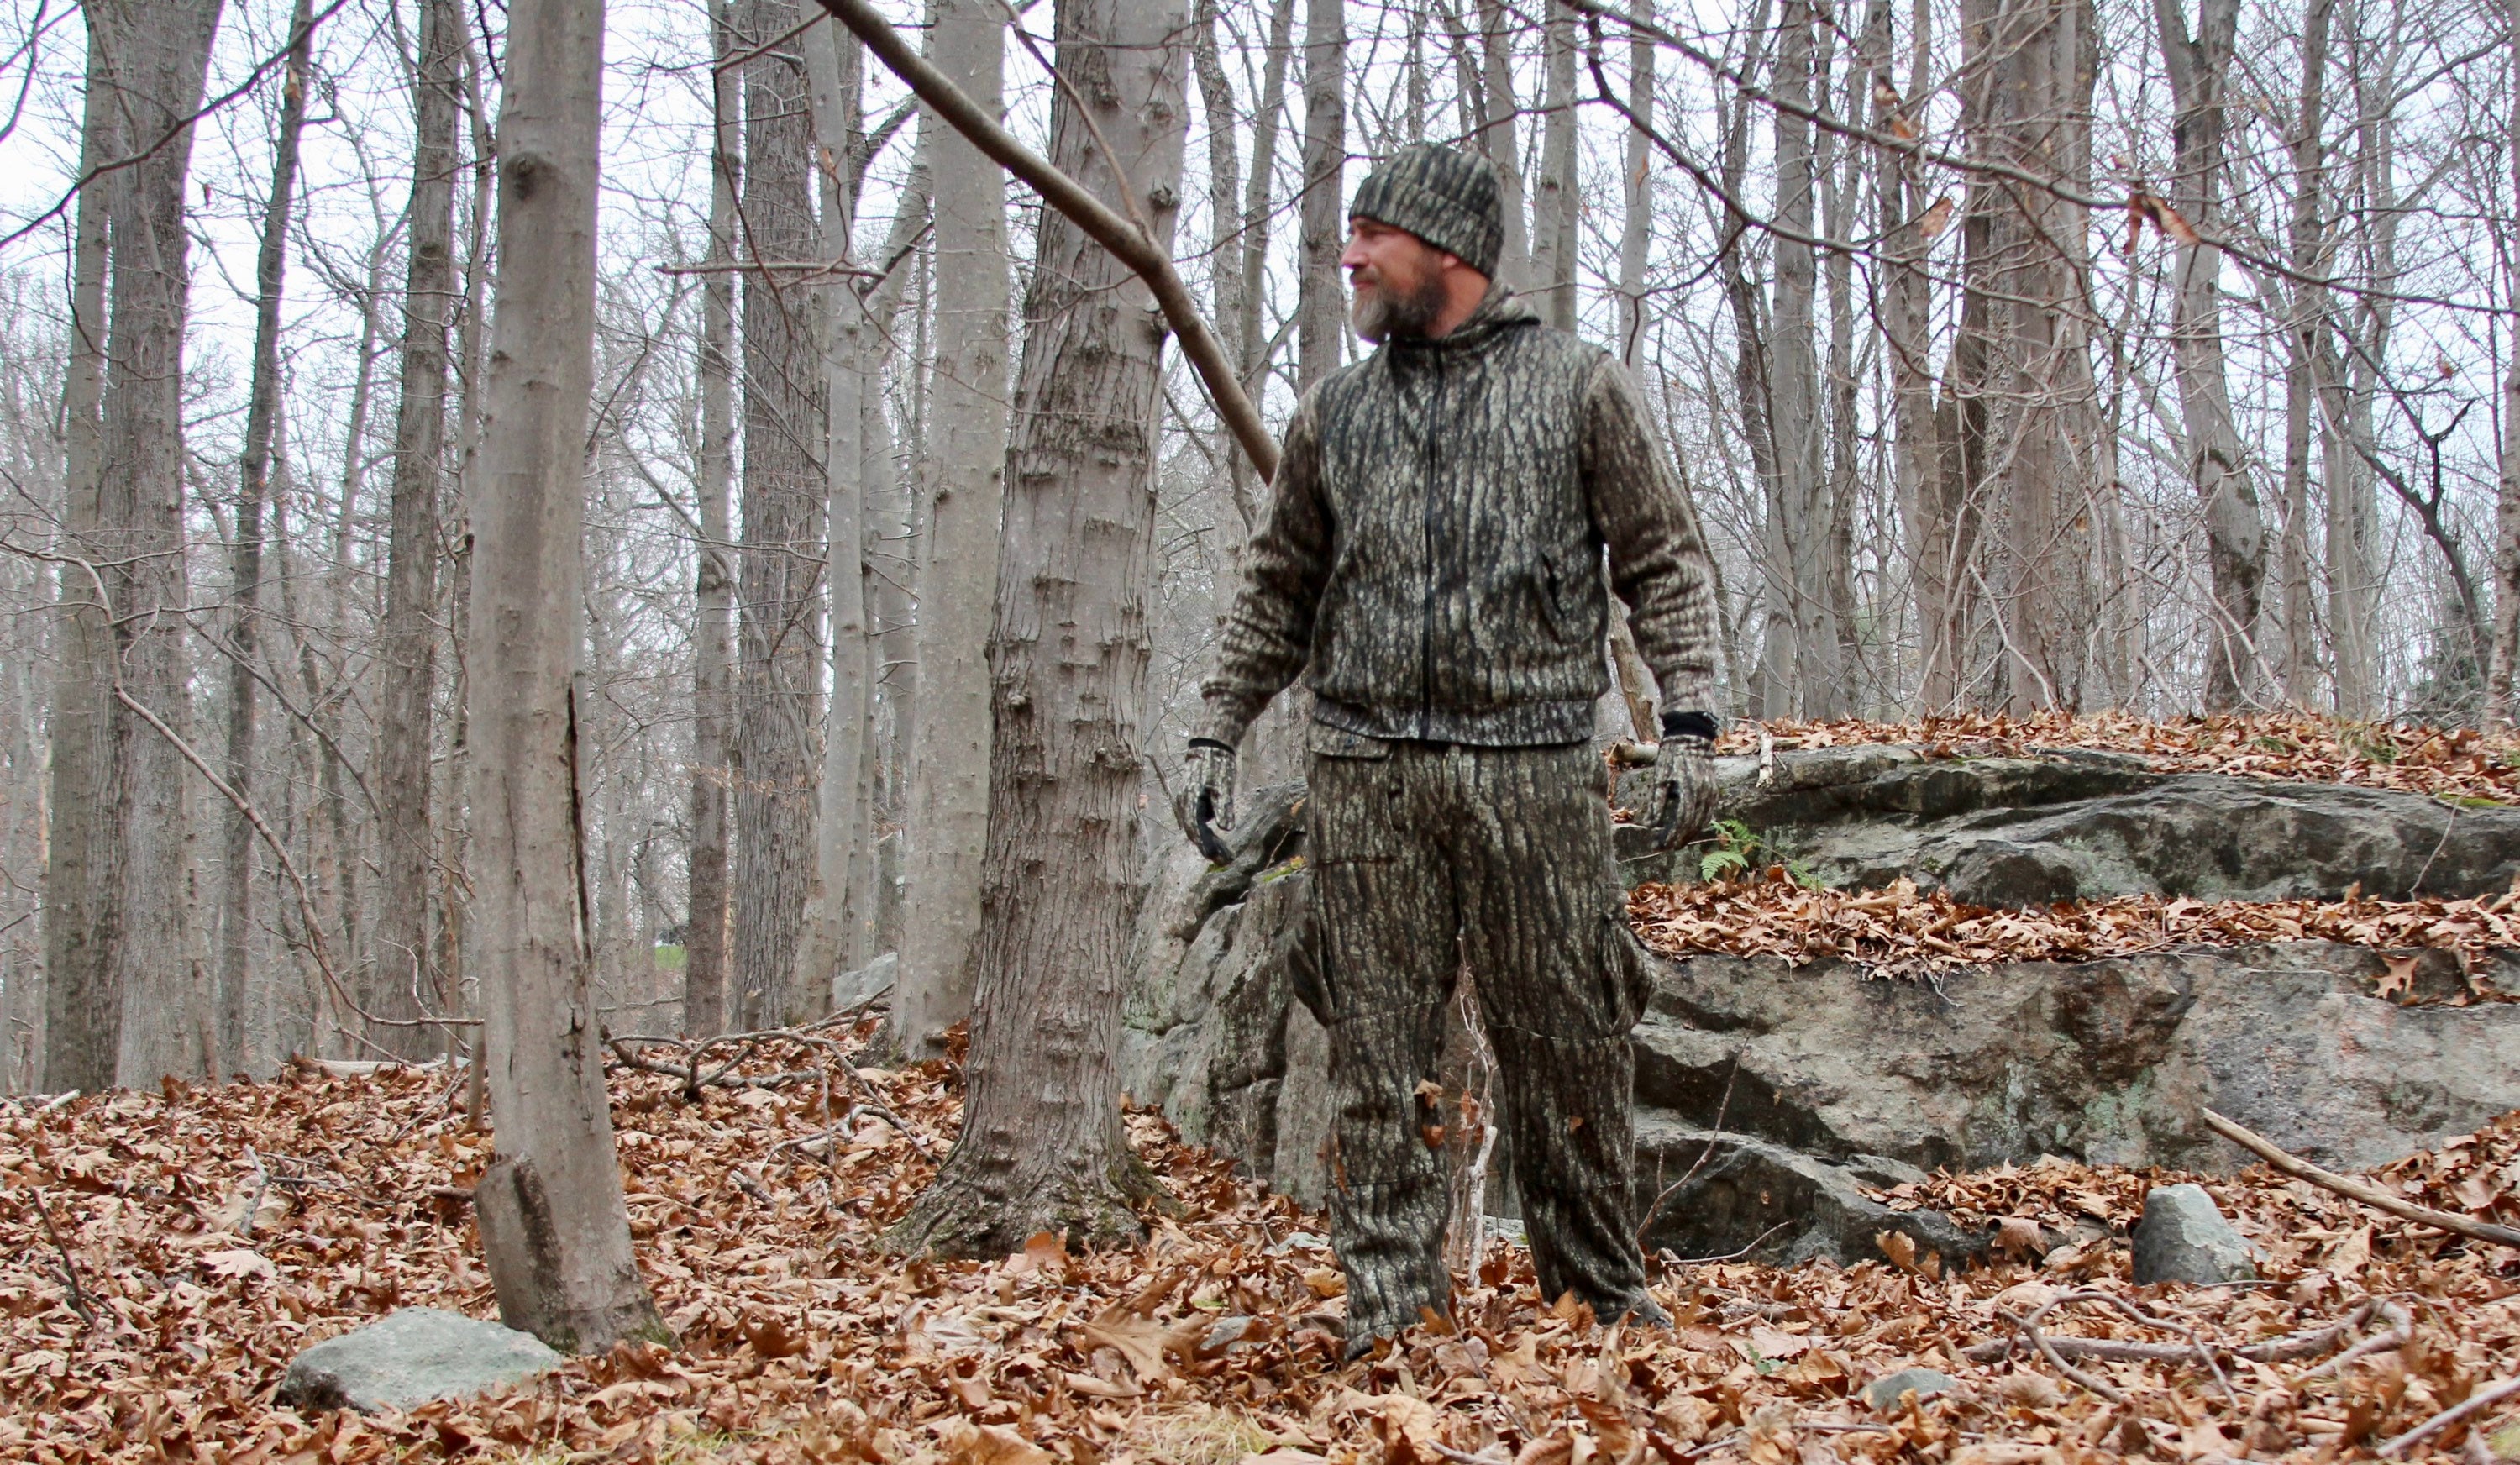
(1431, 859)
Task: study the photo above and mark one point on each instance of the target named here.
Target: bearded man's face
(1397, 280)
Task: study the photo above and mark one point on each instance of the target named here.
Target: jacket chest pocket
(1355, 792)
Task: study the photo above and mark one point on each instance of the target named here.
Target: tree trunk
(1635, 224)
(780, 667)
(262, 409)
(844, 340)
(553, 1223)
(2235, 535)
(2021, 365)
(885, 500)
(1798, 498)
(1042, 1145)
(403, 983)
(1500, 138)
(1321, 309)
(82, 915)
(2506, 507)
(704, 928)
(159, 62)
(946, 828)
(2307, 322)
(1917, 452)
(1553, 204)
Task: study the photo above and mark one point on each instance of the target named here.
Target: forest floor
(163, 1257)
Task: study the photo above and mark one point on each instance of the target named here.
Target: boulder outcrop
(1782, 1094)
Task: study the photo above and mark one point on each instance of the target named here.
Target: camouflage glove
(1204, 803)
(1684, 781)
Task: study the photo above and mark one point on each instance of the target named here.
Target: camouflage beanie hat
(1444, 196)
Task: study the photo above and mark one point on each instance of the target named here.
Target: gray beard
(1383, 315)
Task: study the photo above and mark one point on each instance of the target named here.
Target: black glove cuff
(1210, 743)
(1690, 725)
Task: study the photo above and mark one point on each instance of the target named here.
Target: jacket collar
(1500, 313)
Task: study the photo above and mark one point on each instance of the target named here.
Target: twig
(2454, 1414)
(2401, 1327)
(2292, 1345)
(2360, 1190)
(1669, 1260)
(70, 1268)
(1723, 1106)
(261, 1188)
(2029, 1328)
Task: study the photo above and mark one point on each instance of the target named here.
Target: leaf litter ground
(214, 1232)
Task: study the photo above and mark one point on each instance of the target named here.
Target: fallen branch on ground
(2300, 1344)
(2473, 1404)
(2360, 1190)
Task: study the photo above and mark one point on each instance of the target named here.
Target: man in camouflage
(1432, 566)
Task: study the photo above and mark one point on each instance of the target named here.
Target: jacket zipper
(1427, 637)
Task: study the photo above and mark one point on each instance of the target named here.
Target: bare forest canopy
(2024, 359)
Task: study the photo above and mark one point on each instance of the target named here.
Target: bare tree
(1556, 200)
(2235, 535)
(159, 62)
(948, 820)
(253, 473)
(1042, 1145)
(553, 1222)
(402, 985)
(82, 920)
(778, 669)
(704, 927)
(2021, 369)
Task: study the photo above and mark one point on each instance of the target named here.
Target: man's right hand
(1205, 802)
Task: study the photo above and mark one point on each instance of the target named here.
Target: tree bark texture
(553, 1223)
(704, 927)
(82, 917)
(2235, 535)
(403, 983)
(159, 57)
(1798, 499)
(1554, 202)
(946, 827)
(263, 411)
(2022, 366)
(1042, 1145)
(1500, 138)
(2307, 325)
(1321, 308)
(846, 340)
(779, 664)
(2506, 506)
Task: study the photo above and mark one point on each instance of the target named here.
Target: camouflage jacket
(1432, 557)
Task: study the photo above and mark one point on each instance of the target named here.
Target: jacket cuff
(1690, 724)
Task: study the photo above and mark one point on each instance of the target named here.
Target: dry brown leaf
(967, 1444)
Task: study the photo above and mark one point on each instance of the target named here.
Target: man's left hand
(1684, 788)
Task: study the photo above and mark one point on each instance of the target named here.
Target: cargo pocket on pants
(1627, 972)
(1353, 789)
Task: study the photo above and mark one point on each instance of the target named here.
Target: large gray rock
(2109, 1061)
(412, 1355)
(1701, 1195)
(1839, 1082)
(2016, 831)
(2184, 1238)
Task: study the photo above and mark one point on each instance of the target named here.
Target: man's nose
(1353, 256)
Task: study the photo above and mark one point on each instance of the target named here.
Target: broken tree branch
(2481, 1400)
(2360, 1190)
(1103, 224)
